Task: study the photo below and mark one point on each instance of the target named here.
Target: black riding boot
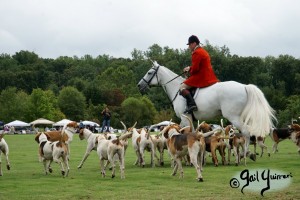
(191, 105)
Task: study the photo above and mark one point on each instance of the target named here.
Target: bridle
(154, 74)
(163, 85)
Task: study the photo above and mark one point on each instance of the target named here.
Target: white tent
(62, 122)
(41, 121)
(156, 127)
(164, 123)
(17, 123)
(89, 123)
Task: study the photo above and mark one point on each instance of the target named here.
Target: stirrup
(191, 109)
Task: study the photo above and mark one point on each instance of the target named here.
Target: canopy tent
(42, 121)
(62, 122)
(89, 123)
(164, 123)
(17, 123)
(156, 127)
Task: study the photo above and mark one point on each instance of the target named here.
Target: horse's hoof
(50, 170)
(143, 166)
(236, 164)
(112, 176)
(200, 179)
(63, 173)
(8, 167)
(269, 154)
(162, 163)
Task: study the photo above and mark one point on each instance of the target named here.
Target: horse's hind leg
(246, 134)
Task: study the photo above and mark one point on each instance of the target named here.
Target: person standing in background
(106, 119)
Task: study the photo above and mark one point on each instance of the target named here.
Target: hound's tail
(257, 116)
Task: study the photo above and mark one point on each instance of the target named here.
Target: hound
(213, 143)
(111, 150)
(235, 141)
(141, 141)
(295, 135)
(159, 144)
(180, 145)
(92, 143)
(5, 150)
(53, 151)
(261, 143)
(65, 135)
(279, 134)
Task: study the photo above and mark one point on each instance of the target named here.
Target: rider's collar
(196, 47)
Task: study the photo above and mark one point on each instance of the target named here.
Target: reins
(163, 85)
(173, 79)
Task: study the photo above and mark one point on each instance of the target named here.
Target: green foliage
(25, 57)
(43, 104)
(292, 111)
(111, 81)
(165, 115)
(72, 103)
(139, 110)
(14, 105)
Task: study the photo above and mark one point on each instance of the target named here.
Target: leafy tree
(8, 79)
(108, 80)
(72, 103)
(137, 54)
(155, 52)
(7, 62)
(13, 105)
(44, 105)
(219, 59)
(120, 78)
(93, 112)
(26, 57)
(285, 69)
(292, 111)
(166, 115)
(94, 93)
(140, 110)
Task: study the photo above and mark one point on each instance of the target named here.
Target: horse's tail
(258, 115)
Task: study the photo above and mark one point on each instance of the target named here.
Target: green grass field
(26, 179)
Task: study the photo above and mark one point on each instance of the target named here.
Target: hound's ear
(166, 131)
(48, 137)
(166, 135)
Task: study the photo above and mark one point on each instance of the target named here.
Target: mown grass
(26, 179)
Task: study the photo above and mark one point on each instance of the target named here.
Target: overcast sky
(53, 28)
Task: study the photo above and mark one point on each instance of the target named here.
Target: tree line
(78, 88)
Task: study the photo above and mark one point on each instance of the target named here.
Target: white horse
(243, 105)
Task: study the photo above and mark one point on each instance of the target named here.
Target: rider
(201, 73)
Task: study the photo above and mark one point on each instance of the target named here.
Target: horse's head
(150, 78)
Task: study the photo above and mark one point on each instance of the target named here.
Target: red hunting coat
(201, 71)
